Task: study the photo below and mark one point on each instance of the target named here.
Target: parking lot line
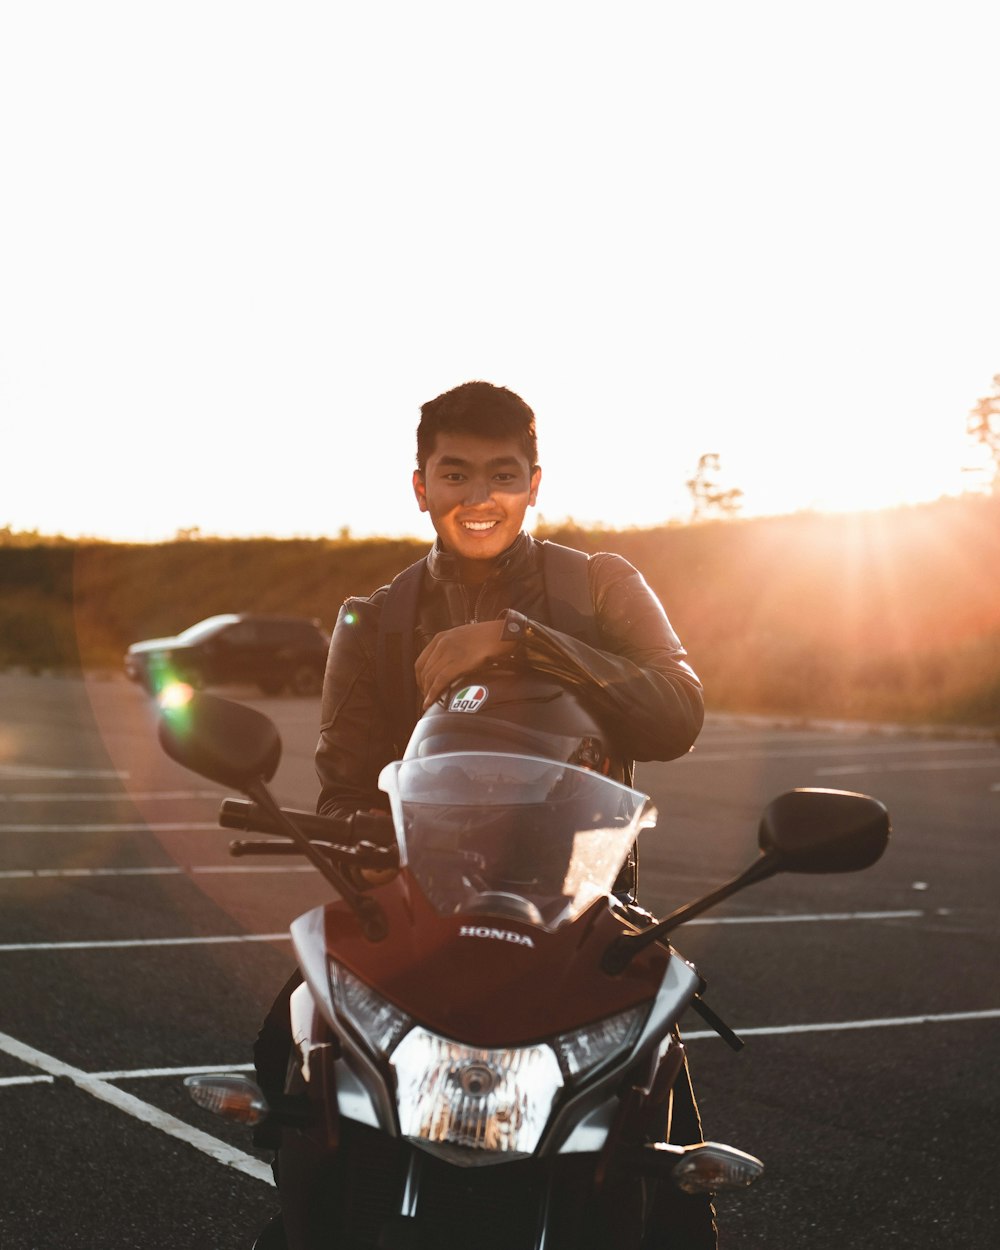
(818, 751)
(22, 874)
(127, 943)
(170, 827)
(49, 1074)
(778, 1030)
(913, 766)
(137, 1074)
(139, 1110)
(19, 772)
(813, 918)
(110, 796)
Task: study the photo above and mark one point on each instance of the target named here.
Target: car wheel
(270, 685)
(306, 679)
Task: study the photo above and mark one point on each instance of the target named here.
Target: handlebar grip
(242, 814)
(375, 827)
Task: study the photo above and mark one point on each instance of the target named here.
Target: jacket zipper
(472, 611)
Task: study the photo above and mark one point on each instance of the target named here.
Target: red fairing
(489, 980)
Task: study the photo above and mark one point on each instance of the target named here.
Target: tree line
(891, 615)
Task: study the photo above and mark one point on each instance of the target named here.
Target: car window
(273, 633)
(242, 634)
(289, 633)
(205, 629)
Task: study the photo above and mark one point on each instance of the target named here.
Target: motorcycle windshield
(516, 836)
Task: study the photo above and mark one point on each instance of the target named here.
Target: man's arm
(355, 740)
(638, 681)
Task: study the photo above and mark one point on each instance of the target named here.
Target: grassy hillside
(887, 615)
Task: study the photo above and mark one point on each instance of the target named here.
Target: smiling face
(476, 491)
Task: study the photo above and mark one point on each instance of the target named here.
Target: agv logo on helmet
(470, 699)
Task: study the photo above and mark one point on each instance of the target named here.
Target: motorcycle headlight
(379, 1022)
(473, 1105)
(583, 1051)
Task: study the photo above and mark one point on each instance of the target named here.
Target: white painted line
(923, 766)
(137, 1074)
(907, 747)
(131, 943)
(111, 796)
(712, 737)
(127, 943)
(888, 1023)
(140, 1110)
(940, 765)
(22, 874)
(141, 1074)
(170, 827)
(816, 918)
(852, 770)
(22, 771)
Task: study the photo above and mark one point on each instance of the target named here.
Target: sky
(241, 243)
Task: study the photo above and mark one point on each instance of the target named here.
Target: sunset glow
(243, 245)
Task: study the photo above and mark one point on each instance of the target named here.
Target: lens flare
(175, 695)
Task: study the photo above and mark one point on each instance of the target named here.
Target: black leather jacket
(638, 683)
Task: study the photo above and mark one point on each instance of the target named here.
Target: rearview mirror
(226, 742)
(801, 831)
(813, 830)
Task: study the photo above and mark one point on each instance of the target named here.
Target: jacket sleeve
(355, 740)
(638, 681)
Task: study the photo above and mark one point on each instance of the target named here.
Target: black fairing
(814, 830)
(227, 742)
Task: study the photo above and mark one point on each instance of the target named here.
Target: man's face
(476, 491)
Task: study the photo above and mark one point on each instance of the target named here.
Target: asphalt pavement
(134, 951)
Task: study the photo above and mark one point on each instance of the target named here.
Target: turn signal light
(233, 1097)
(704, 1168)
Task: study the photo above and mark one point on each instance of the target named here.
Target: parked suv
(272, 652)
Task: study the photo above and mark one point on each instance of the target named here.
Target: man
(482, 598)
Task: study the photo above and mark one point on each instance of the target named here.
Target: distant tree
(707, 496)
(984, 426)
(10, 537)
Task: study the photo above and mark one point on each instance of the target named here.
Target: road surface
(133, 952)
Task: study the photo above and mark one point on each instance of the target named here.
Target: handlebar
(368, 838)
(361, 827)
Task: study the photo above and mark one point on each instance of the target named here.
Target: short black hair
(478, 408)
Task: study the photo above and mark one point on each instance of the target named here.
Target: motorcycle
(485, 1039)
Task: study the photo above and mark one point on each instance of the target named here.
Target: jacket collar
(513, 562)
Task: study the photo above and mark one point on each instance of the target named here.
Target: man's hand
(456, 653)
(377, 876)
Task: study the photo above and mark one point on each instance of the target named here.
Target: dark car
(274, 653)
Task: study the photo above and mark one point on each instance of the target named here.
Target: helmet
(516, 713)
